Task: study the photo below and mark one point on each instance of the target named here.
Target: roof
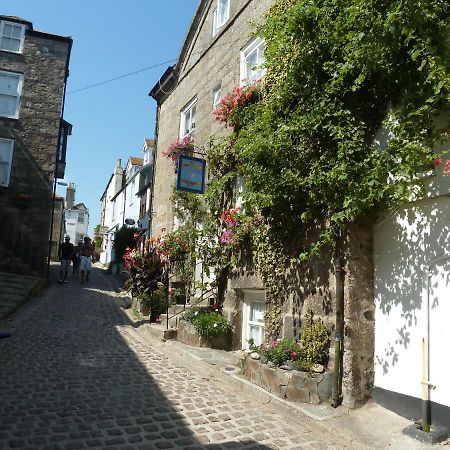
(32, 31)
(17, 19)
(136, 161)
(149, 142)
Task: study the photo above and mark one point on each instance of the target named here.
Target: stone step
(158, 330)
(17, 289)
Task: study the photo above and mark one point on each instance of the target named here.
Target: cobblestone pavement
(75, 374)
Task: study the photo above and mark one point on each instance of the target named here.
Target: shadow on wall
(26, 210)
(406, 242)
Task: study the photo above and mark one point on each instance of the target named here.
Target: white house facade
(120, 203)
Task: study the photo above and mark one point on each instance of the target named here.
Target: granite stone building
(34, 67)
(218, 54)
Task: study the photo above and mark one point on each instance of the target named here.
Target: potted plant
(182, 146)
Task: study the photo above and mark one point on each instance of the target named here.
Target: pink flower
(447, 167)
(294, 354)
(227, 237)
(437, 162)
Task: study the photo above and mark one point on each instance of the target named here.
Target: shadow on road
(73, 377)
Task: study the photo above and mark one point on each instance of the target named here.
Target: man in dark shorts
(65, 254)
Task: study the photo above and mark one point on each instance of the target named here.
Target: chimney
(118, 176)
(70, 196)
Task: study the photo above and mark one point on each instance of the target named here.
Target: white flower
(215, 325)
(196, 313)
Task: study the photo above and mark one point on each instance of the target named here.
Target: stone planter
(292, 385)
(186, 333)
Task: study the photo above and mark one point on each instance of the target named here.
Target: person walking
(87, 250)
(76, 258)
(65, 254)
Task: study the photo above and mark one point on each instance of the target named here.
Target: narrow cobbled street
(75, 374)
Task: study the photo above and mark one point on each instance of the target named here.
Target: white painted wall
(118, 207)
(405, 244)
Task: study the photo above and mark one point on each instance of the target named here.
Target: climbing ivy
(311, 151)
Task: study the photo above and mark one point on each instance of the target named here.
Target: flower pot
(145, 310)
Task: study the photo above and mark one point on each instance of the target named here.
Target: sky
(110, 39)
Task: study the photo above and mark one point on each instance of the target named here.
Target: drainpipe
(339, 329)
(426, 385)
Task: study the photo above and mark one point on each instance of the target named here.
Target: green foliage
(211, 324)
(337, 71)
(314, 341)
(207, 322)
(280, 351)
(123, 239)
(312, 348)
(145, 270)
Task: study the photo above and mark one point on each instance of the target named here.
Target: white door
(439, 290)
(253, 318)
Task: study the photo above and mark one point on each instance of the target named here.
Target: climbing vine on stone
(346, 120)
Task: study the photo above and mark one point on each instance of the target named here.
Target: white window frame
(7, 160)
(217, 96)
(218, 21)
(2, 36)
(240, 188)
(251, 296)
(19, 93)
(186, 116)
(256, 45)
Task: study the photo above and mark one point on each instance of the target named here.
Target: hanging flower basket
(183, 146)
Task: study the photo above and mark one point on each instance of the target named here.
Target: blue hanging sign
(191, 174)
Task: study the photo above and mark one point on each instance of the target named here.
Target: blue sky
(111, 39)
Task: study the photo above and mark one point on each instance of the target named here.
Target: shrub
(211, 324)
(312, 348)
(314, 341)
(207, 322)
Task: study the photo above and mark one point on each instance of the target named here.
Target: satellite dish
(130, 221)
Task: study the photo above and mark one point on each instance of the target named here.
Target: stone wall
(293, 385)
(43, 65)
(186, 333)
(209, 61)
(206, 62)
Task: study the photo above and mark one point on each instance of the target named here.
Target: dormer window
(220, 15)
(12, 36)
(187, 126)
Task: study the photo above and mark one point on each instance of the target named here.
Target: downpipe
(426, 385)
(339, 330)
